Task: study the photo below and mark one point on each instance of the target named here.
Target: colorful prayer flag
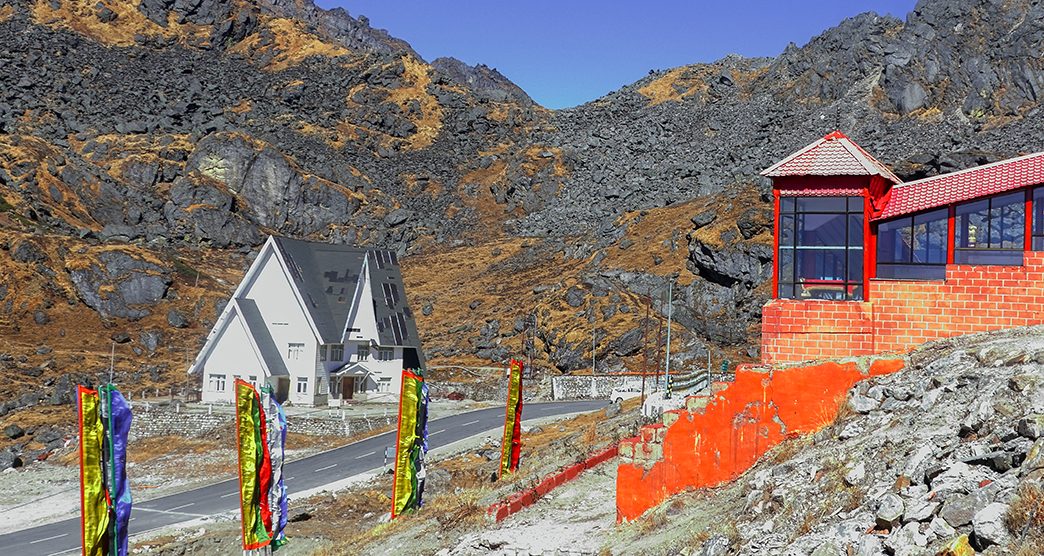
(94, 510)
(254, 468)
(277, 449)
(117, 429)
(511, 446)
(411, 443)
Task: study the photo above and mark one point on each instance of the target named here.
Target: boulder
(889, 512)
(958, 510)
(958, 547)
(856, 474)
(176, 320)
(13, 431)
(119, 284)
(988, 525)
(1031, 427)
(863, 404)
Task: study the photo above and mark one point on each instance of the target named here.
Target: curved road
(301, 475)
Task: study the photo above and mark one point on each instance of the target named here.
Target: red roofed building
(865, 263)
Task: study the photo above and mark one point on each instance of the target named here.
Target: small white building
(318, 323)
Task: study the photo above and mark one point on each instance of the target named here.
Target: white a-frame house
(319, 323)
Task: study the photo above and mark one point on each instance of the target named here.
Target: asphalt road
(366, 455)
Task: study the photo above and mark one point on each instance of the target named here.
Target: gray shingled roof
(327, 275)
(257, 327)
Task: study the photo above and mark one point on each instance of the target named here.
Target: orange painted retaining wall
(518, 501)
(710, 445)
(903, 314)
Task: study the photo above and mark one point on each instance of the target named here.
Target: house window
(337, 352)
(253, 381)
(385, 354)
(362, 352)
(302, 385)
(294, 351)
(385, 384)
(991, 231)
(820, 248)
(913, 247)
(217, 383)
(1038, 219)
(322, 353)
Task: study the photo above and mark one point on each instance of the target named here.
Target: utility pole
(670, 307)
(645, 345)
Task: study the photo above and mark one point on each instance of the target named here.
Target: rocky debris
(988, 525)
(13, 431)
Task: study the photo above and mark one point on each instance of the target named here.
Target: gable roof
(965, 185)
(327, 276)
(833, 155)
(258, 331)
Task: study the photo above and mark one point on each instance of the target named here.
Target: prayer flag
(511, 447)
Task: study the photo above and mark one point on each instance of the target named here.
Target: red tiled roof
(833, 155)
(964, 185)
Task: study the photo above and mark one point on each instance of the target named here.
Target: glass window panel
(786, 229)
(821, 204)
(987, 257)
(834, 291)
(827, 265)
(786, 204)
(786, 291)
(1038, 243)
(855, 265)
(1012, 226)
(893, 241)
(855, 204)
(1038, 213)
(971, 225)
(855, 230)
(911, 271)
(826, 230)
(786, 265)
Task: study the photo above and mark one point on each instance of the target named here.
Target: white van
(625, 392)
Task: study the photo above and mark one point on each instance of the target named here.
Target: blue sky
(567, 52)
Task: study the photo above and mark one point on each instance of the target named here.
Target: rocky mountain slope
(146, 147)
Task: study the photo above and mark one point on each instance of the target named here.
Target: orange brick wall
(902, 314)
(717, 442)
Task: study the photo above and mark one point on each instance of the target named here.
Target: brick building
(865, 263)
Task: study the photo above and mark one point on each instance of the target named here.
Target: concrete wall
(716, 438)
(903, 314)
(164, 421)
(590, 386)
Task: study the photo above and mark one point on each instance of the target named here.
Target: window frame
(961, 255)
(336, 352)
(362, 352)
(302, 381)
(1036, 196)
(931, 270)
(790, 206)
(217, 382)
(294, 351)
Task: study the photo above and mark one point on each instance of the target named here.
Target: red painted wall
(716, 443)
(903, 314)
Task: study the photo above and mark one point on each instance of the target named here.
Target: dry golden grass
(6, 12)
(80, 16)
(676, 84)
(292, 45)
(429, 122)
(1025, 515)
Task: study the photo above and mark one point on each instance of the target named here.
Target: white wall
(270, 289)
(232, 356)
